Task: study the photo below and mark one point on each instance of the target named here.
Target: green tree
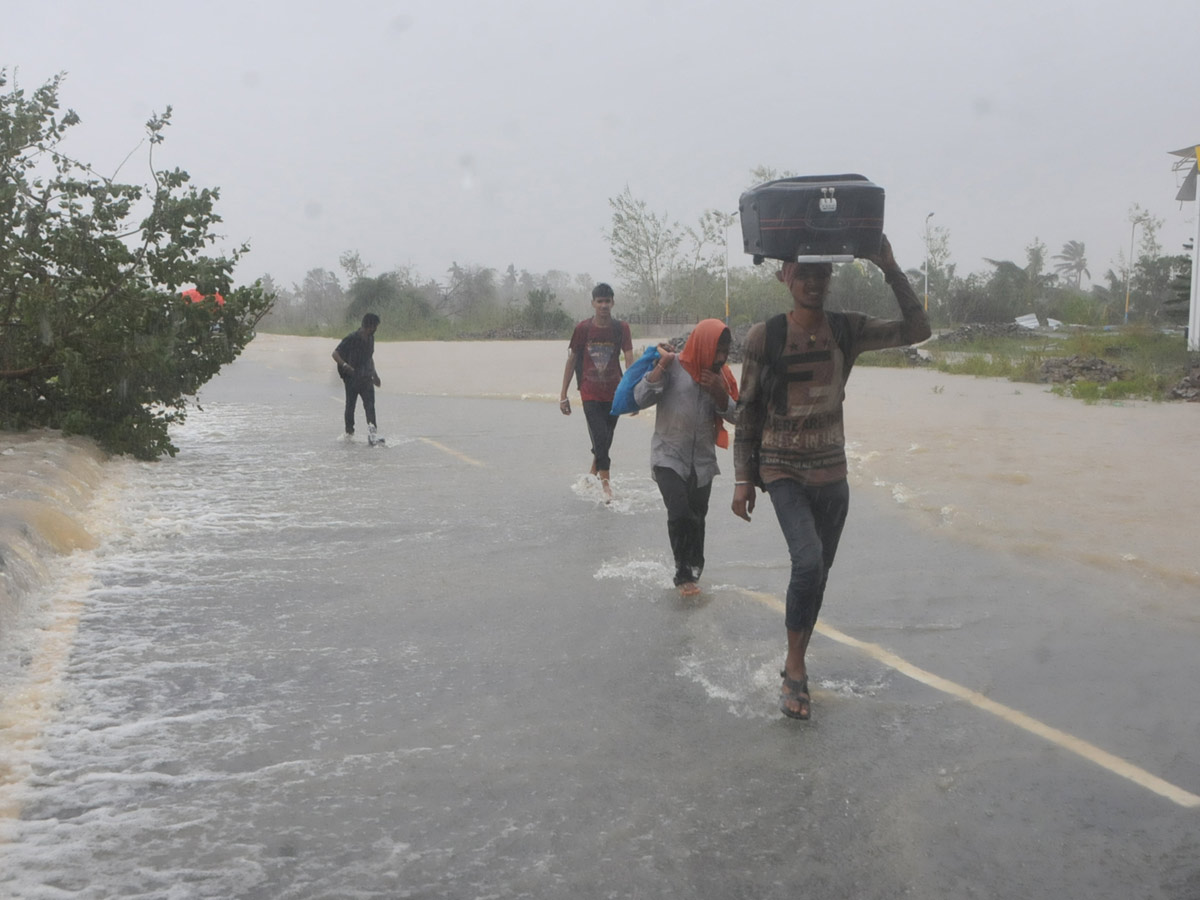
(542, 312)
(859, 286)
(1155, 280)
(761, 174)
(941, 273)
(354, 267)
(1073, 262)
(470, 291)
(643, 247)
(393, 297)
(95, 337)
(321, 301)
(697, 281)
(968, 300)
(1177, 305)
(1014, 290)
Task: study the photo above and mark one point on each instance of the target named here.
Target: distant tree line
(469, 299)
(668, 272)
(668, 269)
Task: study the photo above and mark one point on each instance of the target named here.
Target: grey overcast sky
(488, 133)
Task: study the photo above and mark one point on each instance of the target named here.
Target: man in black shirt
(355, 358)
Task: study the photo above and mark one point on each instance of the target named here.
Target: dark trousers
(687, 505)
(600, 424)
(811, 519)
(355, 388)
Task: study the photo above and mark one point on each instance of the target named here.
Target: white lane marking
(1078, 746)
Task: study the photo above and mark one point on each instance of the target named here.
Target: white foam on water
(631, 494)
(746, 686)
(850, 688)
(746, 679)
(159, 745)
(640, 571)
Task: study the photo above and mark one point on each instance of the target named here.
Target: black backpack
(773, 382)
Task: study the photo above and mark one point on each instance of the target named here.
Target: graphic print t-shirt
(600, 349)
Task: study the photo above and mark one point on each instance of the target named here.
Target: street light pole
(728, 221)
(927, 218)
(1138, 220)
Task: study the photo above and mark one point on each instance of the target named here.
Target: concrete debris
(1188, 389)
(982, 330)
(1067, 370)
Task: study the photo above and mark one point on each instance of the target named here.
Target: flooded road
(305, 668)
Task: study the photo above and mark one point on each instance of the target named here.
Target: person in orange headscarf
(696, 395)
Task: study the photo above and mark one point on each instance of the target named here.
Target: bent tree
(95, 337)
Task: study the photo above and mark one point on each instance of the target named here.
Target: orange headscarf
(699, 354)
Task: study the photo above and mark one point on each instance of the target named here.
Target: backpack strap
(839, 324)
(772, 387)
(772, 380)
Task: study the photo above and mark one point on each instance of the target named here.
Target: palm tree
(1014, 289)
(1074, 262)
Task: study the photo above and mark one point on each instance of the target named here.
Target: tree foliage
(1072, 262)
(392, 296)
(95, 337)
(542, 312)
(469, 291)
(644, 247)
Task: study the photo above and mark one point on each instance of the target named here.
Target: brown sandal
(795, 692)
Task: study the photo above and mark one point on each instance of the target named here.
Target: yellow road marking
(454, 453)
(1078, 746)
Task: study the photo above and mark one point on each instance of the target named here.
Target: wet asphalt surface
(442, 669)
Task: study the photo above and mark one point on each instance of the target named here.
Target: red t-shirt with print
(600, 348)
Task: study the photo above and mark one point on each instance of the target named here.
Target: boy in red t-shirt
(594, 356)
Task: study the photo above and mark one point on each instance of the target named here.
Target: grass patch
(1145, 387)
(892, 358)
(1154, 362)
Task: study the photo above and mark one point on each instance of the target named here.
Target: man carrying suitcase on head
(789, 437)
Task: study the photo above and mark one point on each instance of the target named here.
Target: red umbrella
(195, 297)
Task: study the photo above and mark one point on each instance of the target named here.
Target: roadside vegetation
(672, 273)
(1137, 362)
(97, 335)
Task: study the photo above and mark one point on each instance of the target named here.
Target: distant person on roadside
(789, 437)
(355, 358)
(593, 357)
(696, 394)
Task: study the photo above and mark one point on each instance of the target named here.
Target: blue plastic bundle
(623, 401)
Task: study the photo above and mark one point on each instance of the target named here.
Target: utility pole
(927, 218)
(1189, 158)
(728, 221)
(1138, 220)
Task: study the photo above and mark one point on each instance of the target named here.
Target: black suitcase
(812, 218)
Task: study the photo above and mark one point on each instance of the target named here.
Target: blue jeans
(811, 519)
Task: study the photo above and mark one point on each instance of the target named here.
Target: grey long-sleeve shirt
(684, 426)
